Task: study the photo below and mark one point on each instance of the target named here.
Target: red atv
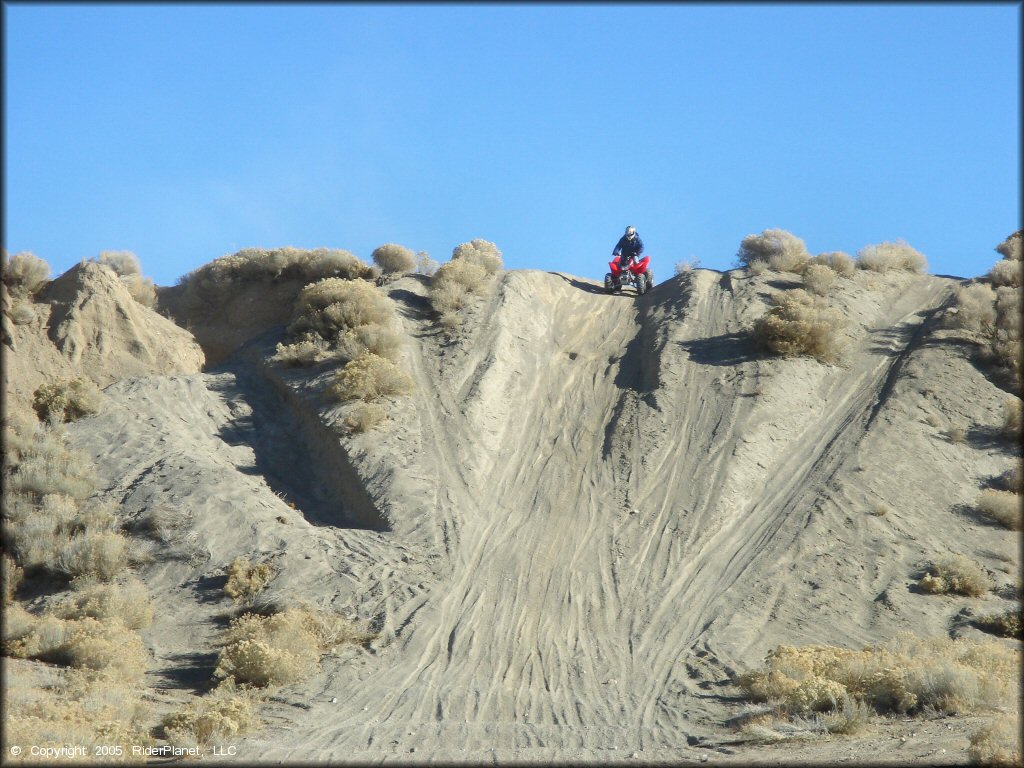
(638, 274)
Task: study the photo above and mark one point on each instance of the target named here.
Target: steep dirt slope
(591, 510)
(87, 323)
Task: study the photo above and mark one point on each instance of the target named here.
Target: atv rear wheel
(641, 284)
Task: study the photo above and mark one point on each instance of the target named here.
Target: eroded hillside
(590, 513)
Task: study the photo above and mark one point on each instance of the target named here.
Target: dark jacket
(628, 248)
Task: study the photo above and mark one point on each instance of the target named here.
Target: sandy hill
(591, 512)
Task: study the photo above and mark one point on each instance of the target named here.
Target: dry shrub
(976, 307)
(329, 307)
(1010, 247)
(818, 279)
(1013, 417)
(1005, 624)
(21, 434)
(80, 710)
(89, 553)
(424, 264)
(839, 262)
(308, 350)
(955, 574)
(906, 675)
(452, 289)
(483, 253)
(684, 266)
(998, 743)
(800, 324)
(394, 259)
(369, 378)
(246, 580)
(364, 417)
(141, 289)
(271, 650)
(25, 274)
(779, 249)
(1006, 272)
(127, 601)
(12, 576)
(67, 400)
(107, 648)
(124, 263)
(1013, 478)
(215, 280)
(227, 711)
(1002, 506)
(378, 339)
(887, 256)
(22, 312)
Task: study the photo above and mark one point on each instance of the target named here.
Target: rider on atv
(627, 250)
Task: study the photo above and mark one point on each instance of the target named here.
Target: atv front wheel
(641, 284)
(609, 286)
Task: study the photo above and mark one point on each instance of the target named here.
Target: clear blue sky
(183, 133)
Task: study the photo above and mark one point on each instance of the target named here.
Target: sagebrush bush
(127, 601)
(78, 709)
(25, 274)
(1002, 506)
(906, 675)
(330, 307)
(888, 256)
(800, 324)
(1010, 247)
(212, 280)
(229, 710)
(998, 743)
(424, 264)
(124, 263)
(246, 579)
(310, 349)
(453, 286)
(976, 307)
(378, 339)
(67, 400)
(364, 417)
(57, 471)
(107, 648)
(393, 258)
(955, 574)
(1006, 272)
(281, 648)
(22, 312)
(780, 250)
(818, 279)
(369, 378)
(1005, 624)
(684, 266)
(483, 253)
(141, 289)
(1013, 417)
(91, 553)
(839, 262)
(12, 576)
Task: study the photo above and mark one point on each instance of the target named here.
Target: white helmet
(630, 231)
